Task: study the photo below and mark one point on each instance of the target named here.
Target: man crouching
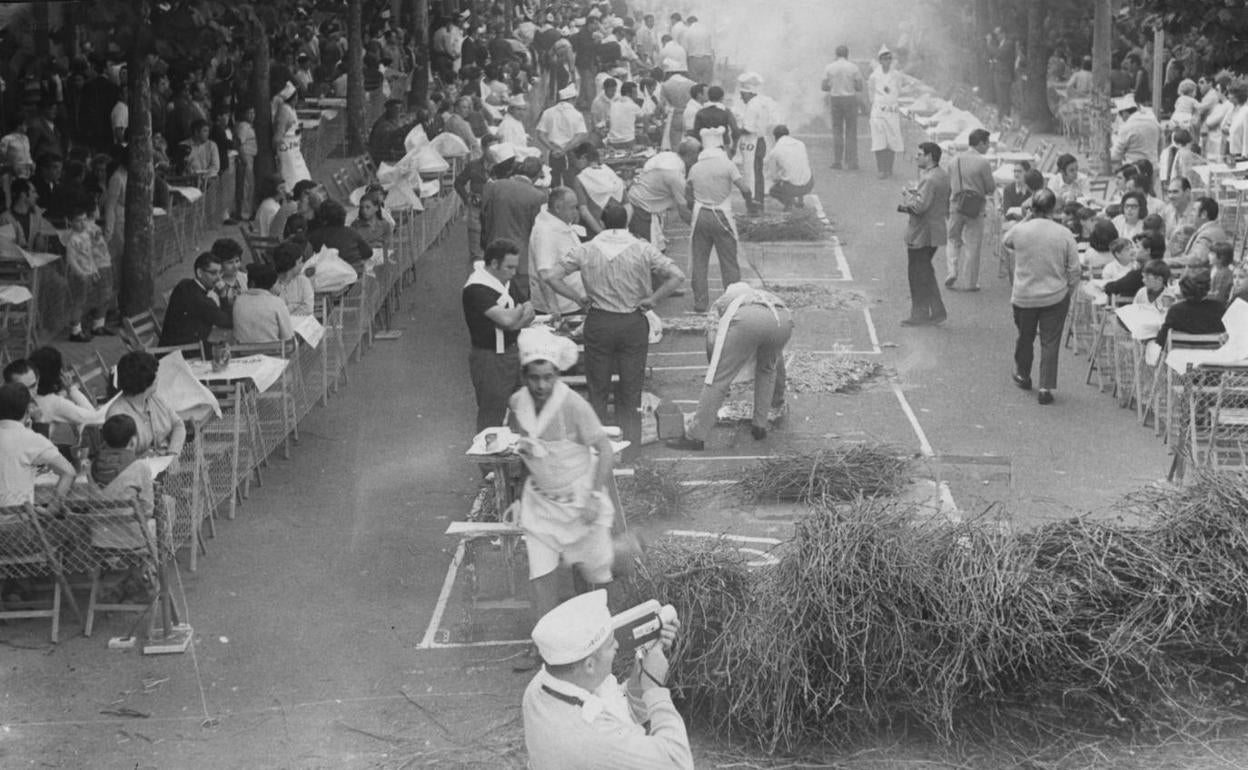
(577, 716)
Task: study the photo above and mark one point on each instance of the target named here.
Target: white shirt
(678, 32)
(675, 51)
(559, 124)
(697, 40)
(759, 116)
(120, 116)
(21, 451)
(512, 131)
(551, 240)
(623, 120)
(787, 161)
(1239, 131)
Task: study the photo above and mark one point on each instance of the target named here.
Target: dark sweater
(1127, 286)
(1187, 317)
(192, 314)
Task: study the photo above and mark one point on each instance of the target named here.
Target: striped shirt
(616, 268)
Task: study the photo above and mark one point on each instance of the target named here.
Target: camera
(639, 627)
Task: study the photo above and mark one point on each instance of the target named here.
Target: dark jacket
(192, 314)
(350, 244)
(927, 226)
(1188, 317)
(1127, 286)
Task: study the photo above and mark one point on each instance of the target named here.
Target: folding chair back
(142, 331)
(31, 546)
(261, 246)
(20, 323)
(190, 350)
(91, 377)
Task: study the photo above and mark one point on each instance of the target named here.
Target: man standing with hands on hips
(617, 269)
(928, 207)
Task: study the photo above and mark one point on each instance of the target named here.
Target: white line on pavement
(842, 263)
(925, 447)
(875, 338)
(427, 642)
(711, 458)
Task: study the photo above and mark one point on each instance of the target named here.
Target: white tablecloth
(1143, 321)
(261, 370)
(309, 329)
(14, 295)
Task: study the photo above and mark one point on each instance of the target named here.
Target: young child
(90, 276)
(1123, 262)
(119, 476)
(1222, 277)
(1154, 291)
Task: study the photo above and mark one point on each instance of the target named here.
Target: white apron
(747, 147)
(481, 277)
(724, 209)
(721, 336)
(561, 477)
(290, 156)
(885, 115)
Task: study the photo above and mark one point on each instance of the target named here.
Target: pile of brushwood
(878, 619)
(834, 474)
(796, 225)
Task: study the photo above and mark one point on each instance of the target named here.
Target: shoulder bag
(968, 203)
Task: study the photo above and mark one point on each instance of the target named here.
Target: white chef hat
(568, 92)
(749, 82)
(502, 151)
(539, 343)
(884, 51)
(712, 137)
(287, 91)
(517, 101)
(574, 630)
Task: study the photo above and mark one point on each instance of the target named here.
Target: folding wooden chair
(230, 446)
(30, 546)
(190, 350)
(260, 246)
(1104, 343)
(290, 389)
(141, 332)
(21, 324)
(1166, 391)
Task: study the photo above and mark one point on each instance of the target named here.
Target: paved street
(310, 608)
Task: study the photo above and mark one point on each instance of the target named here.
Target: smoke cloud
(790, 42)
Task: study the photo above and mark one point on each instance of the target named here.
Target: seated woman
(1222, 276)
(64, 407)
(370, 223)
(1196, 312)
(160, 430)
(1013, 194)
(1155, 291)
(1131, 221)
(260, 315)
(293, 285)
(1097, 255)
(334, 233)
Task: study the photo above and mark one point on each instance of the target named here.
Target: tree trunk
(1102, 53)
(137, 283)
(261, 92)
(1035, 96)
(979, 51)
(356, 115)
(419, 28)
(41, 30)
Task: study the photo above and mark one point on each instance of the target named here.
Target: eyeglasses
(1130, 205)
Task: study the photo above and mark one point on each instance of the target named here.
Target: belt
(593, 310)
(508, 349)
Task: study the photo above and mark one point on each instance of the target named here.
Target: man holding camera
(578, 716)
(928, 207)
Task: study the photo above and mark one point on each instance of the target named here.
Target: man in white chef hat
(565, 509)
(577, 715)
(756, 115)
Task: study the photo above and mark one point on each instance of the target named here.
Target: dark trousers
(925, 302)
(711, 231)
(1003, 88)
(845, 131)
(495, 377)
(617, 343)
(760, 184)
(560, 174)
(639, 223)
(1049, 322)
(789, 193)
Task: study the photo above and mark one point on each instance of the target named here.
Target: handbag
(968, 203)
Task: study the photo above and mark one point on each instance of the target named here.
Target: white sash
(721, 334)
(482, 277)
(527, 417)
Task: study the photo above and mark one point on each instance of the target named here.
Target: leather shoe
(1021, 381)
(950, 281)
(82, 336)
(758, 433)
(1045, 397)
(686, 443)
(915, 322)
